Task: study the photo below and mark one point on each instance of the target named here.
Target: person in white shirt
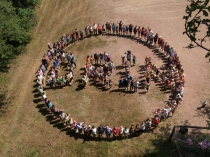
(121, 130)
(95, 26)
(70, 75)
(94, 131)
(44, 96)
(91, 30)
(39, 81)
(66, 119)
(136, 85)
(150, 36)
(126, 132)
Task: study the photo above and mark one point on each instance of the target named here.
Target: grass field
(25, 129)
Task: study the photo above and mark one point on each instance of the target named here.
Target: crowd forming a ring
(99, 68)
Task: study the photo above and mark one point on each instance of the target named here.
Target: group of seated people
(173, 77)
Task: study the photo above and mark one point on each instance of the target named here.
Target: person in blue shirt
(49, 104)
(100, 130)
(55, 64)
(108, 131)
(121, 83)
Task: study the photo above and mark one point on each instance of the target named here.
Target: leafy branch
(197, 18)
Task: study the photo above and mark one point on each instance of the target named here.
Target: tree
(17, 19)
(195, 20)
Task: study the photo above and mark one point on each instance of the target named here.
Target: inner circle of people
(99, 68)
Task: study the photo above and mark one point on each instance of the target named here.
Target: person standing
(95, 27)
(108, 131)
(135, 31)
(136, 85)
(81, 35)
(120, 27)
(129, 55)
(130, 29)
(77, 34)
(101, 57)
(86, 30)
(111, 66)
(96, 56)
(134, 60)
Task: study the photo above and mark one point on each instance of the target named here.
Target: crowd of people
(100, 66)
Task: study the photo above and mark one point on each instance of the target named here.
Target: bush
(17, 19)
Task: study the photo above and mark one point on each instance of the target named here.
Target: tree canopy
(17, 19)
(197, 18)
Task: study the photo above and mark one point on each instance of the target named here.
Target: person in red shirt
(99, 29)
(115, 131)
(159, 41)
(156, 121)
(73, 36)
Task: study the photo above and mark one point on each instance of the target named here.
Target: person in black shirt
(130, 28)
(96, 56)
(77, 34)
(120, 27)
(81, 35)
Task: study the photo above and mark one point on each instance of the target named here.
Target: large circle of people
(172, 76)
